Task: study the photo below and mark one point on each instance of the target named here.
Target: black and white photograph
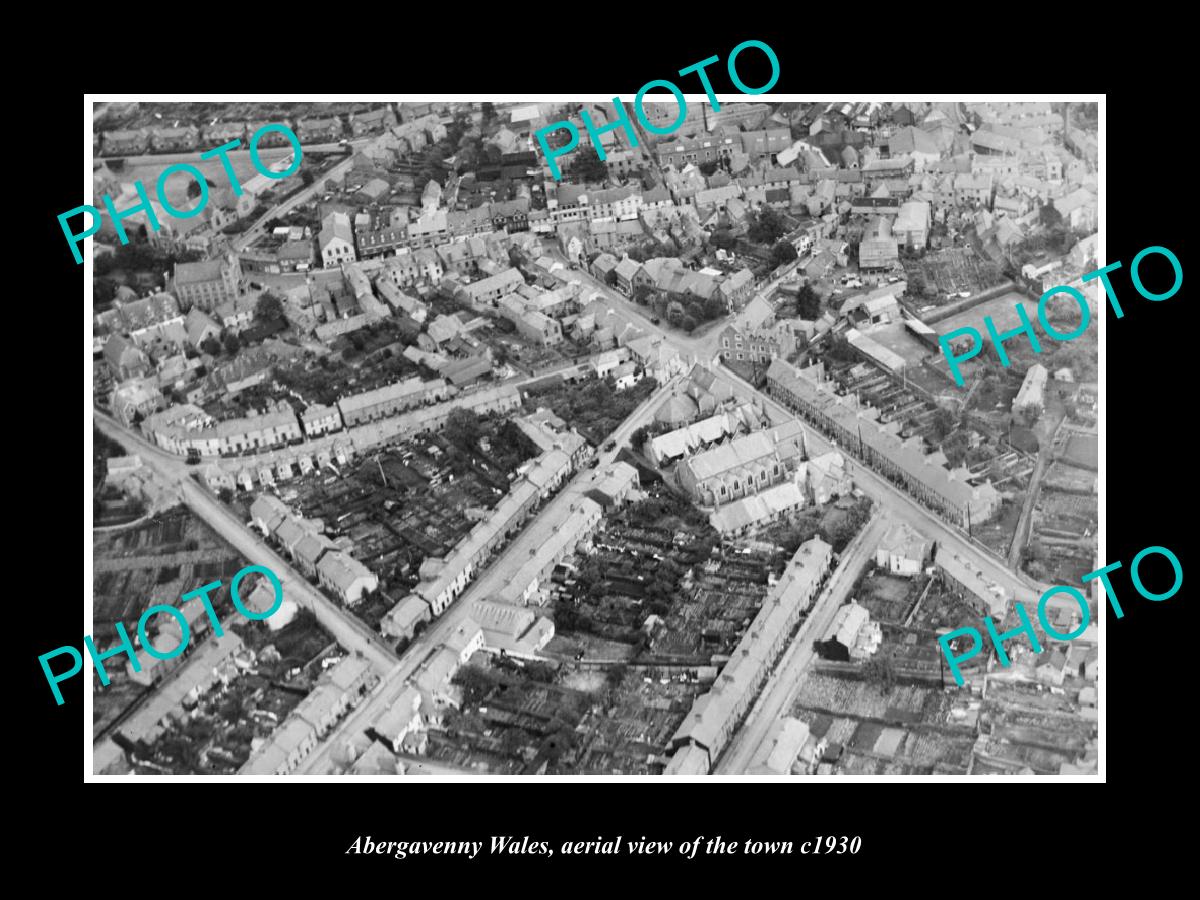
(661, 438)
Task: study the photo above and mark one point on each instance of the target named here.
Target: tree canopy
(268, 308)
(783, 252)
(766, 226)
(808, 303)
(586, 168)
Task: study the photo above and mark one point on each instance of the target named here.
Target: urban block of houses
(710, 723)
(337, 692)
(181, 428)
(857, 430)
(444, 579)
(391, 399)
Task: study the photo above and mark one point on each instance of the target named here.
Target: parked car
(656, 320)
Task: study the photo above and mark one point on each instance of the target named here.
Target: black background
(935, 834)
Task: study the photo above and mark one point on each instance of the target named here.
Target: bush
(783, 252)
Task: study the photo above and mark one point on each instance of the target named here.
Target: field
(1002, 309)
(214, 172)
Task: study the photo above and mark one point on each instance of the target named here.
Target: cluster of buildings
(860, 430)
(443, 579)
(668, 276)
(749, 472)
(184, 136)
(714, 716)
(338, 691)
(851, 636)
(278, 440)
(312, 552)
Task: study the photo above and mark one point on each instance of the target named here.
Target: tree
(463, 429)
(642, 294)
(808, 303)
(1049, 216)
(688, 323)
(710, 167)
(225, 495)
(943, 423)
(306, 177)
(610, 277)
(211, 346)
(723, 239)
(714, 308)
(783, 252)
(231, 342)
(638, 438)
(841, 350)
(587, 167)
(766, 226)
(103, 291)
(268, 308)
(955, 448)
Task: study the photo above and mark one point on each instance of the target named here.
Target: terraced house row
(858, 431)
(704, 734)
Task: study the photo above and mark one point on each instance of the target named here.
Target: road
(700, 347)
(349, 631)
(902, 506)
(330, 752)
(247, 237)
(780, 689)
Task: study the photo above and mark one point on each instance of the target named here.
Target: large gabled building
(744, 466)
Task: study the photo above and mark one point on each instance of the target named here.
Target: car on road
(655, 321)
(611, 445)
